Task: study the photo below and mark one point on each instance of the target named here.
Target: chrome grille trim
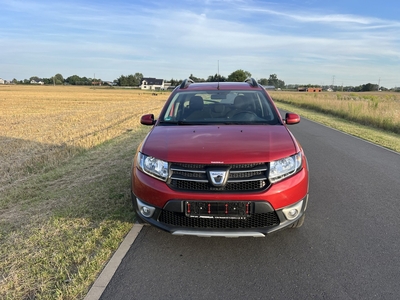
(242, 177)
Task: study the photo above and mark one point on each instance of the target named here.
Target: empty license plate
(231, 210)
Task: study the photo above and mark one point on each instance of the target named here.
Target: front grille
(242, 177)
(255, 220)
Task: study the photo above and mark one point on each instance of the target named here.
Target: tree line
(238, 75)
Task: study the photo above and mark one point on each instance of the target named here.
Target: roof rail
(252, 82)
(186, 83)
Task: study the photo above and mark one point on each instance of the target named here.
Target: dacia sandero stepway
(220, 161)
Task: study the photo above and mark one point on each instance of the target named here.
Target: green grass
(62, 226)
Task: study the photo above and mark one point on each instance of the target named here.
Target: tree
(174, 82)
(123, 80)
(263, 81)
(137, 79)
(196, 79)
(239, 75)
(216, 78)
(35, 78)
(369, 87)
(130, 80)
(58, 79)
(86, 81)
(366, 87)
(47, 80)
(273, 80)
(74, 80)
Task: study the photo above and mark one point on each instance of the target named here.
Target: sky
(335, 42)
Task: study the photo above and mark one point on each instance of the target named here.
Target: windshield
(219, 107)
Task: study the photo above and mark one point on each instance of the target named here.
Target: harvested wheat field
(40, 126)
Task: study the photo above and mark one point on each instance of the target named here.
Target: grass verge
(61, 227)
(380, 137)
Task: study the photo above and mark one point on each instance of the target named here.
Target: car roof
(249, 84)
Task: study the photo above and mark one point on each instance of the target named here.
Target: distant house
(309, 90)
(1, 81)
(314, 90)
(149, 83)
(36, 82)
(110, 83)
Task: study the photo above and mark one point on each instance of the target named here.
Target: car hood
(225, 144)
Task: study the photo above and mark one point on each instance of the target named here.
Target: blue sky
(303, 42)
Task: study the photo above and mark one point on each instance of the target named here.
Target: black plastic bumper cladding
(172, 217)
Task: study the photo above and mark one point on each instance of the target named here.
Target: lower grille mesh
(254, 221)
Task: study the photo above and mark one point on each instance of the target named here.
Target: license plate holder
(222, 210)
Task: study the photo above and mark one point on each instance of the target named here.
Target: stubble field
(41, 126)
(380, 110)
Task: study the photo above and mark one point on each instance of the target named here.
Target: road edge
(109, 270)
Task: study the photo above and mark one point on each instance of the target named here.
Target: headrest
(196, 103)
(241, 101)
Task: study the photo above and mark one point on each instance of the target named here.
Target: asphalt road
(348, 247)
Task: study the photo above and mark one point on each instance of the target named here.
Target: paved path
(348, 247)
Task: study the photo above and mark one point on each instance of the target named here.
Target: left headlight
(280, 169)
(152, 166)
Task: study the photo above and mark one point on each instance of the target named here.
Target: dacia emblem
(218, 178)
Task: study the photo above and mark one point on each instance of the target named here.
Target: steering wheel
(246, 115)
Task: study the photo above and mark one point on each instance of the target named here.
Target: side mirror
(147, 119)
(291, 118)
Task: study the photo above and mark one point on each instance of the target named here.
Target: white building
(149, 83)
(36, 82)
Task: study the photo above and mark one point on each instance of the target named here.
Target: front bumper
(263, 220)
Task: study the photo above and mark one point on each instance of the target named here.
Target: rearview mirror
(218, 96)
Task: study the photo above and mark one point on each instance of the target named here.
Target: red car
(220, 161)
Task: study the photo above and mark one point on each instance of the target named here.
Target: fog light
(146, 210)
(293, 211)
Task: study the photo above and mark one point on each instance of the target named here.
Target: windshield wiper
(191, 123)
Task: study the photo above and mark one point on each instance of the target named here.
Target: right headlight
(285, 167)
(152, 166)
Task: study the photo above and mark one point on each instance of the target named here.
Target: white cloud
(176, 40)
